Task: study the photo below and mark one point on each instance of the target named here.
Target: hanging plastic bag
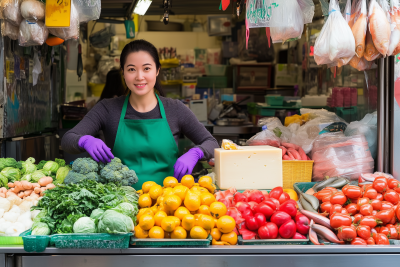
(32, 33)
(379, 27)
(394, 45)
(359, 28)
(71, 32)
(264, 138)
(347, 12)
(275, 126)
(88, 9)
(33, 10)
(370, 53)
(294, 24)
(8, 29)
(360, 64)
(335, 42)
(308, 9)
(12, 12)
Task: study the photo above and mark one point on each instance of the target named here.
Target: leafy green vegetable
(8, 162)
(61, 174)
(35, 177)
(96, 214)
(28, 166)
(41, 164)
(84, 225)
(50, 167)
(68, 223)
(12, 174)
(27, 177)
(3, 181)
(113, 222)
(126, 209)
(60, 162)
(41, 229)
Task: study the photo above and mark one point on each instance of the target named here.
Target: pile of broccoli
(113, 172)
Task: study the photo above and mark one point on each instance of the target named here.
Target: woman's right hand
(96, 148)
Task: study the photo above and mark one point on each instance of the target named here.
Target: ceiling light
(142, 6)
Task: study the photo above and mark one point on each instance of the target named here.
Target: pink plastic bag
(264, 138)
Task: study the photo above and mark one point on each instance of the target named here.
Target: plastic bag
(370, 53)
(360, 64)
(335, 42)
(264, 138)
(308, 8)
(33, 10)
(295, 23)
(368, 127)
(347, 12)
(334, 154)
(299, 119)
(8, 29)
(71, 32)
(275, 126)
(12, 12)
(32, 33)
(359, 28)
(379, 27)
(88, 9)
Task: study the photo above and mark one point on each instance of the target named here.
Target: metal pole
(386, 107)
(381, 114)
(390, 120)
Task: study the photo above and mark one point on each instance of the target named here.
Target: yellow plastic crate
(296, 171)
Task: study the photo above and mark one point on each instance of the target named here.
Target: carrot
(18, 187)
(295, 154)
(45, 181)
(50, 186)
(283, 150)
(36, 190)
(34, 185)
(302, 154)
(10, 185)
(26, 185)
(21, 194)
(28, 192)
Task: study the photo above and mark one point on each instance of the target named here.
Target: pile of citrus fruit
(183, 210)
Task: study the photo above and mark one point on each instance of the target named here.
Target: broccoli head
(85, 165)
(116, 172)
(74, 177)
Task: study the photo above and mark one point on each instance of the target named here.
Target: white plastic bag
(12, 12)
(347, 12)
(88, 9)
(264, 138)
(379, 26)
(71, 32)
(8, 29)
(33, 10)
(274, 125)
(335, 42)
(295, 23)
(308, 8)
(32, 33)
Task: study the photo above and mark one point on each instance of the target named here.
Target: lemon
(170, 182)
(160, 199)
(180, 191)
(155, 191)
(168, 191)
(154, 209)
(146, 222)
(192, 201)
(147, 185)
(145, 201)
(168, 224)
(226, 224)
(198, 233)
(140, 233)
(187, 181)
(179, 233)
(177, 221)
(143, 212)
(172, 202)
(180, 212)
(230, 238)
(207, 199)
(188, 222)
(156, 232)
(158, 217)
(216, 234)
(206, 222)
(218, 209)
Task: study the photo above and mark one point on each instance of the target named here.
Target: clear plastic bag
(335, 154)
(32, 33)
(368, 127)
(8, 29)
(335, 42)
(308, 8)
(293, 26)
(71, 32)
(394, 45)
(379, 26)
(275, 126)
(264, 138)
(12, 11)
(88, 9)
(360, 64)
(33, 10)
(370, 53)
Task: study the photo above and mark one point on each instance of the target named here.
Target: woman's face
(140, 73)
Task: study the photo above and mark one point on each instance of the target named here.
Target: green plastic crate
(34, 243)
(274, 100)
(212, 81)
(262, 242)
(170, 243)
(93, 241)
(266, 112)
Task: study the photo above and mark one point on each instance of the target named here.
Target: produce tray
(34, 243)
(170, 243)
(11, 240)
(93, 241)
(259, 242)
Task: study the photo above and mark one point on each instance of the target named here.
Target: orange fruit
(187, 181)
(144, 201)
(188, 222)
(218, 209)
(172, 202)
(226, 224)
(168, 191)
(158, 217)
(192, 201)
(167, 234)
(216, 234)
(155, 191)
(147, 185)
(180, 212)
(168, 224)
(177, 221)
(230, 238)
(179, 233)
(198, 233)
(207, 199)
(217, 243)
(204, 209)
(206, 182)
(180, 191)
(154, 209)
(156, 232)
(140, 233)
(146, 222)
(170, 182)
(144, 211)
(205, 221)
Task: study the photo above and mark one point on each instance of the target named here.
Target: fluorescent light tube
(142, 6)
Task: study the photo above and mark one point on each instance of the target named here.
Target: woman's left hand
(185, 164)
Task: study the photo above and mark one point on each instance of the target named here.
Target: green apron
(146, 146)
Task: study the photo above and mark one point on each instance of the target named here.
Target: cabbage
(36, 176)
(84, 225)
(61, 174)
(28, 166)
(96, 214)
(12, 174)
(41, 214)
(3, 181)
(27, 177)
(126, 209)
(40, 229)
(113, 222)
(50, 167)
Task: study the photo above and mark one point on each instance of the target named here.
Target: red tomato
(326, 207)
(376, 204)
(370, 193)
(326, 198)
(385, 215)
(340, 219)
(371, 241)
(354, 201)
(364, 231)
(344, 189)
(348, 233)
(338, 198)
(370, 221)
(367, 186)
(382, 178)
(323, 193)
(392, 183)
(276, 192)
(353, 192)
(374, 212)
(397, 188)
(333, 190)
(393, 221)
(386, 205)
(268, 231)
(398, 212)
(358, 241)
(366, 209)
(362, 201)
(383, 230)
(352, 209)
(344, 211)
(391, 196)
(284, 197)
(379, 197)
(381, 239)
(379, 185)
(357, 218)
(393, 231)
(335, 208)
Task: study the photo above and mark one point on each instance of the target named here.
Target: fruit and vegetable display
(184, 210)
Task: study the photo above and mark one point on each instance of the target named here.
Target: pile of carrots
(24, 189)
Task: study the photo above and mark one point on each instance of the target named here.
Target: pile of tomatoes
(365, 214)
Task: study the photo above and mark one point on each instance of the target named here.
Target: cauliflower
(116, 172)
(15, 229)
(11, 216)
(5, 204)
(85, 165)
(4, 226)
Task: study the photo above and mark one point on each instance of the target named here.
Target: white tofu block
(251, 167)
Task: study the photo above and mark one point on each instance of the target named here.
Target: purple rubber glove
(96, 148)
(185, 164)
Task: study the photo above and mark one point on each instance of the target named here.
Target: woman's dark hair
(142, 45)
(114, 85)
